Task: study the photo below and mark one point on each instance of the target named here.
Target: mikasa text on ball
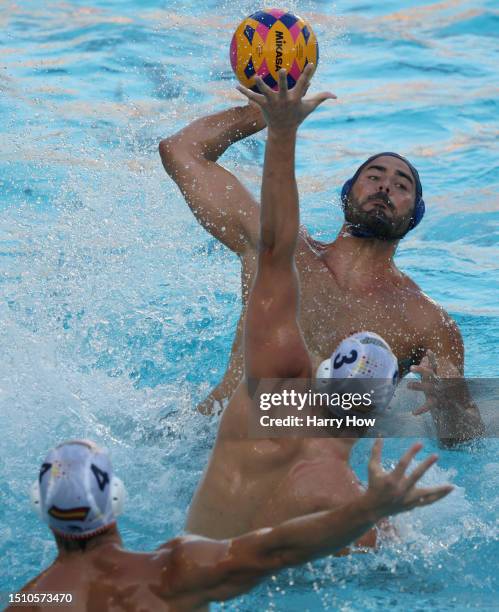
(269, 40)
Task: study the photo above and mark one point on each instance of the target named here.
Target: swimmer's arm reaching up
(218, 200)
(200, 570)
(273, 343)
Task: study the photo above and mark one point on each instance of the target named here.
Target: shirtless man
(251, 483)
(78, 496)
(347, 285)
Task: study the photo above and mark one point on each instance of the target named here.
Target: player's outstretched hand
(429, 384)
(286, 108)
(394, 492)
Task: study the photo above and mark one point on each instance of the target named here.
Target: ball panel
(264, 17)
(276, 12)
(295, 71)
(249, 70)
(258, 50)
(270, 81)
(263, 70)
(263, 30)
(289, 20)
(233, 53)
(306, 33)
(249, 32)
(295, 31)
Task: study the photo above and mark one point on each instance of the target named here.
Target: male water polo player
(252, 483)
(78, 496)
(345, 286)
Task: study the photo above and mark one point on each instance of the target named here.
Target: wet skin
(254, 483)
(106, 577)
(347, 286)
(187, 573)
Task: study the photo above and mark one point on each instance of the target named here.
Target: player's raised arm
(206, 570)
(274, 347)
(218, 200)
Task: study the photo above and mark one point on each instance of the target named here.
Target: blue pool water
(117, 311)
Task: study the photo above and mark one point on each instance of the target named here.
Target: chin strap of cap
(419, 206)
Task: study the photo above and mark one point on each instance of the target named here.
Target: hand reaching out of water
(394, 492)
(286, 108)
(429, 384)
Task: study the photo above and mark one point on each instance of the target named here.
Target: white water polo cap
(366, 358)
(76, 492)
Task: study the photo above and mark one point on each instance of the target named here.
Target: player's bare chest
(330, 312)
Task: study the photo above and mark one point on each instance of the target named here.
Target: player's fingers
(251, 95)
(303, 82)
(423, 497)
(402, 465)
(421, 469)
(375, 461)
(308, 71)
(320, 98)
(263, 87)
(424, 371)
(283, 83)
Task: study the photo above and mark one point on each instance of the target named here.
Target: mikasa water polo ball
(269, 40)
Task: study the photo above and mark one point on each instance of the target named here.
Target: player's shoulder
(39, 582)
(181, 557)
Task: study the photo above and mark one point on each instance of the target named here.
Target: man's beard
(378, 222)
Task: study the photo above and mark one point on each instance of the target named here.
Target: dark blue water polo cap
(419, 206)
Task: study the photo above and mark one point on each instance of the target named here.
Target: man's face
(382, 198)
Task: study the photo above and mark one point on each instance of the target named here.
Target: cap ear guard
(118, 495)
(36, 500)
(324, 370)
(345, 190)
(323, 376)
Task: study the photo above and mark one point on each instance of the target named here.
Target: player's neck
(381, 250)
(366, 254)
(77, 547)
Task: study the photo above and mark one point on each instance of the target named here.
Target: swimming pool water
(117, 310)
